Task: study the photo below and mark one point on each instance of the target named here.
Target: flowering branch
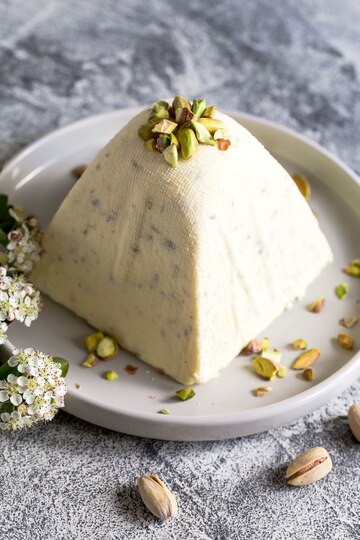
(32, 384)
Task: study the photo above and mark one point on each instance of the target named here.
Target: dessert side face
(183, 266)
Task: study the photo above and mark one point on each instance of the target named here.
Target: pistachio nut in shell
(157, 497)
(309, 467)
(354, 420)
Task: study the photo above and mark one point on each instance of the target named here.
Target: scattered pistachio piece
(309, 467)
(185, 393)
(303, 185)
(107, 348)
(188, 142)
(265, 344)
(317, 305)
(78, 171)
(160, 111)
(342, 290)
(265, 368)
(77, 386)
(198, 107)
(273, 355)
(164, 126)
(130, 369)
(162, 142)
(308, 374)
(171, 155)
(202, 134)
(281, 372)
(253, 347)
(348, 322)
(354, 420)
(223, 144)
(306, 359)
(209, 111)
(157, 497)
(90, 361)
(164, 411)
(92, 341)
(345, 341)
(111, 375)
(300, 344)
(353, 269)
(262, 391)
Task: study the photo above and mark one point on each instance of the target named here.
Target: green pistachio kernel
(209, 111)
(107, 348)
(188, 142)
(90, 361)
(111, 375)
(145, 132)
(171, 155)
(282, 372)
(164, 126)
(265, 368)
(92, 341)
(202, 134)
(342, 290)
(164, 411)
(185, 393)
(198, 107)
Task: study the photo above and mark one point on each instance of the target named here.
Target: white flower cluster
(19, 301)
(34, 393)
(24, 245)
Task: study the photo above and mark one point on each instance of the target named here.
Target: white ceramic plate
(39, 178)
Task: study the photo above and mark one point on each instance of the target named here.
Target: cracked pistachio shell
(354, 420)
(202, 134)
(309, 467)
(157, 497)
(188, 142)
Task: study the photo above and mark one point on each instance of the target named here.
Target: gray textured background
(297, 62)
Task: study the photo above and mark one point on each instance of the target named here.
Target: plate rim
(303, 400)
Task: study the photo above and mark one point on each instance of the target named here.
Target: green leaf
(64, 364)
(3, 238)
(4, 212)
(5, 370)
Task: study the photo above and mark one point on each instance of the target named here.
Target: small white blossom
(19, 301)
(24, 245)
(35, 393)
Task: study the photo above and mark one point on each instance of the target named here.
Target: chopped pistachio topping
(265, 368)
(300, 344)
(282, 372)
(308, 374)
(348, 322)
(164, 411)
(90, 361)
(111, 375)
(345, 341)
(306, 359)
(303, 185)
(185, 393)
(107, 348)
(261, 391)
(342, 290)
(317, 305)
(183, 125)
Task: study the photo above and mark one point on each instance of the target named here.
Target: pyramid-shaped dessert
(184, 259)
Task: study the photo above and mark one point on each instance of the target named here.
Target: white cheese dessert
(183, 266)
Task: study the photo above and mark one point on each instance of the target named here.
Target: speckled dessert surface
(294, 62)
